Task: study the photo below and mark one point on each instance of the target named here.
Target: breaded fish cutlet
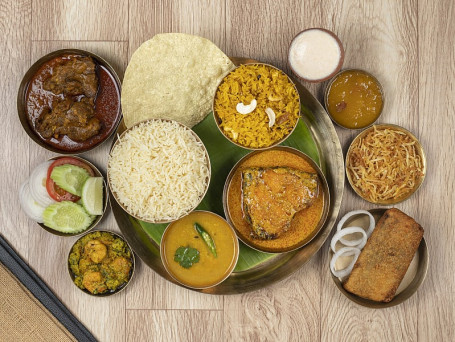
(384, 260)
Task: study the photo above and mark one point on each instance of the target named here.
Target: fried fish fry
(385, 259)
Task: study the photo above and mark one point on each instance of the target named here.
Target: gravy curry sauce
(302, 224)
(102, 104)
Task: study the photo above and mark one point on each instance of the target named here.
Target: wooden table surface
(408, 45)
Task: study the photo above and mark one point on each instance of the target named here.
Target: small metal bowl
(161, 220)
(22, 102)
(413, 279)
(329, 86)
(121, 287)
(324, 188)
(105, 201)
(218, 120)
(229, 271)
(340, 63)
(419, 149)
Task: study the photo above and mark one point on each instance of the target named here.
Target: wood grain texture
(47, 252)
(382, 39)
(174, 325)
(263, 30)
(201, 17)
(286, 311)
(151, 291)
(436, 308)
(408, 45)
(15, 30)
(80, 20)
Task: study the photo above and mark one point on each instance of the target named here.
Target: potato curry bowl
(256, 106)
(101, 263)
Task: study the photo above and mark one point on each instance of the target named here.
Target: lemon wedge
(92, 195)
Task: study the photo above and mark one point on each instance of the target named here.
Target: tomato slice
(57, 193)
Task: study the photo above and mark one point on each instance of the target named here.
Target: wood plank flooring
(409, 45)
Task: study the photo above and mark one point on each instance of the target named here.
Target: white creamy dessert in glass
(316, 55)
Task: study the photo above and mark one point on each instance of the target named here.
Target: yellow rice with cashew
(271, 88)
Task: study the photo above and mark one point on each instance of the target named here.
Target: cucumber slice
(92, 195)
(67, 217)
(70, 178)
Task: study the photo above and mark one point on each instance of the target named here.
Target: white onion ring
(359, 243)
(353, 213)
(345, 251)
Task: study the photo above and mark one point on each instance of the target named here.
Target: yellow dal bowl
(209, 271)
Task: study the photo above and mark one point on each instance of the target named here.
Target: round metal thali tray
(282, 265)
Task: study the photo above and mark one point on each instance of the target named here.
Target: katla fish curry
(272, 196)
(275, 200)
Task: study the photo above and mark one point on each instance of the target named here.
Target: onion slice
(354, 213)
(37, 184)
(359, 243)
(32, 208)
(345, 251)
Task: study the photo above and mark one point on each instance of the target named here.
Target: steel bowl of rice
(256, 106)
(158, 170)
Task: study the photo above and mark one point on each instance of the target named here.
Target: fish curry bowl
(277, 200)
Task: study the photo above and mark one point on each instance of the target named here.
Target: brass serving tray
(283, 265)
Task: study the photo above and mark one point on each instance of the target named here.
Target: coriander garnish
(186, 256)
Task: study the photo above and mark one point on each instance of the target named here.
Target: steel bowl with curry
(101, 263)
(69, 101)
(276, 200)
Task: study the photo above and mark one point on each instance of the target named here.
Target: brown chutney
(304, 222)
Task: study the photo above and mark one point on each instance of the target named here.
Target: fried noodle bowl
(385, 164)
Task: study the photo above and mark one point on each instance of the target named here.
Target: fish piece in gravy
(272, 196)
